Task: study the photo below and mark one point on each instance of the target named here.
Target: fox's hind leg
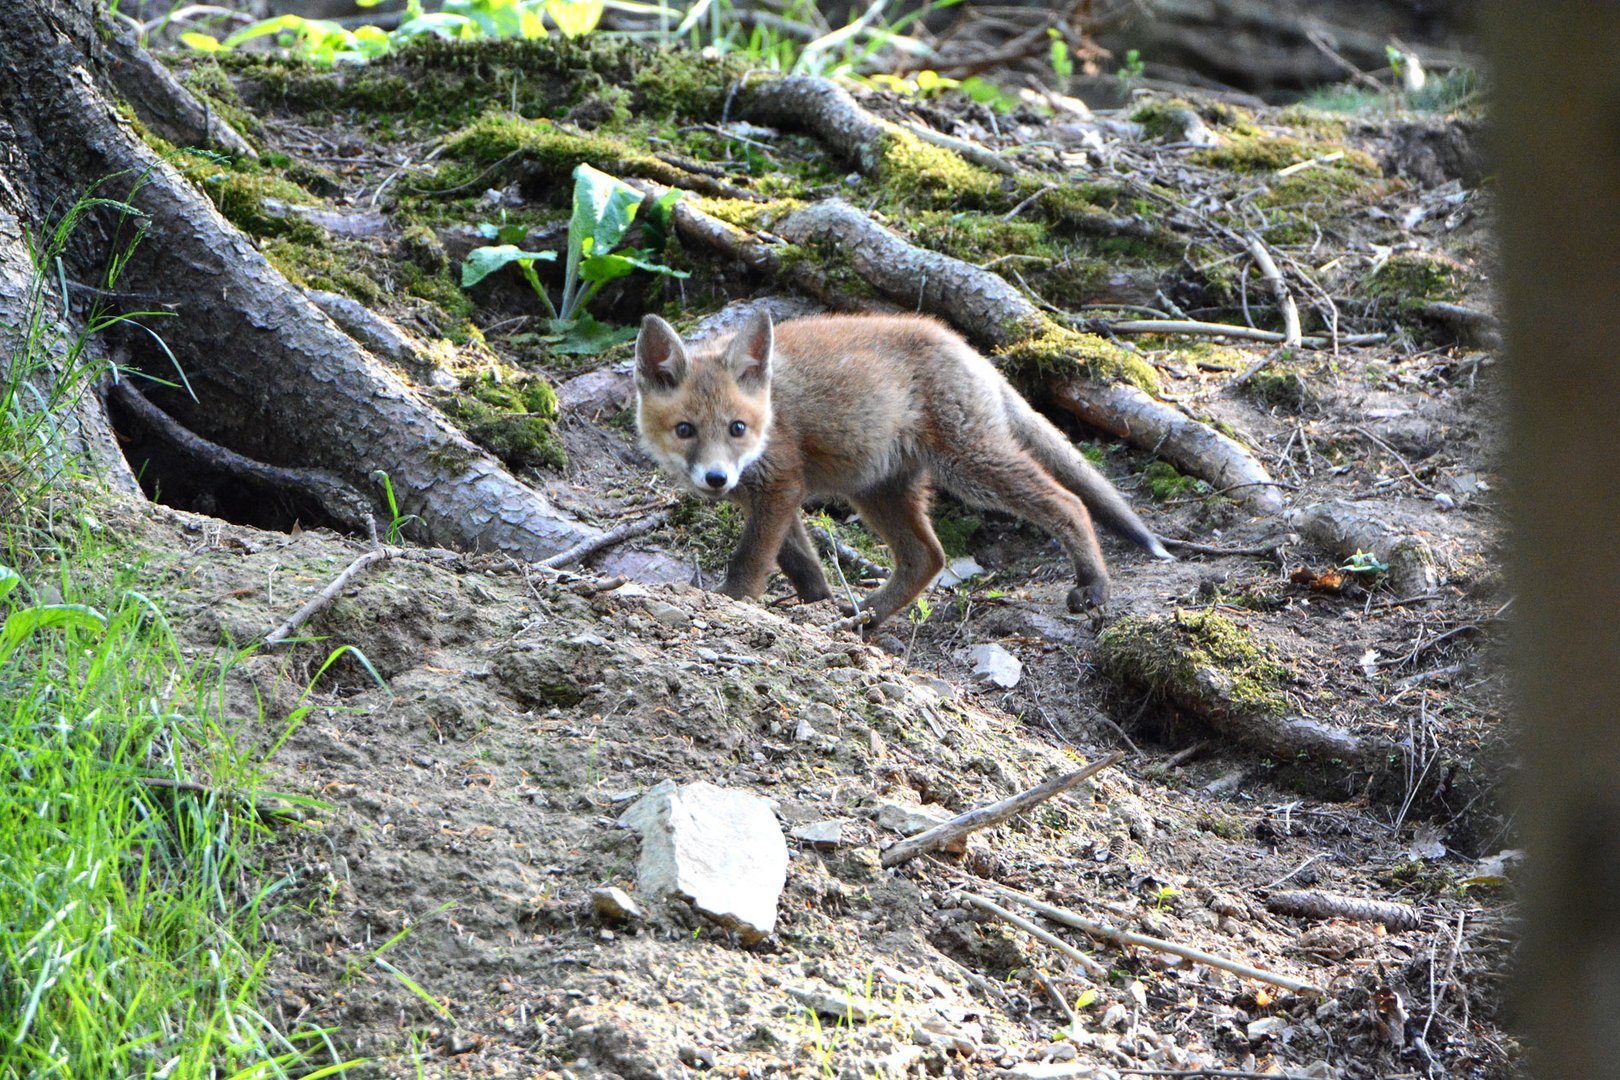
(1011, 479)
(802, 566)
(898, 512)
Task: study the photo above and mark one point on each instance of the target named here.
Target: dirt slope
(437, 915)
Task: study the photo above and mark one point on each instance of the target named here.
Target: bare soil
(436, 915)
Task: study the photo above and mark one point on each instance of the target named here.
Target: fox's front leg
(771, 515)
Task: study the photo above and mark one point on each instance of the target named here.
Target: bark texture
(275, 379)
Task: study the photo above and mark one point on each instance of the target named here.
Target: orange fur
(874, 410)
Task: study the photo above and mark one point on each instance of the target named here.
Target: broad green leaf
(657, 219)
(207, 43)
(502, 18)
(264, 28)
(585, 336)
(449, 27)
(608, 267)
(20, 624)
(372, 41)
(604, 210)
(9, 579)
(484, 261)
(575, 17)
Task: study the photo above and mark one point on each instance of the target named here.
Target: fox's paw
(1083, 598)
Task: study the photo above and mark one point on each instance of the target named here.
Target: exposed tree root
(275, 379)
(166, 106)
(1313, 904)
(337, 499)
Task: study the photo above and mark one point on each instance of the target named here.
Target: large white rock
(719, 849)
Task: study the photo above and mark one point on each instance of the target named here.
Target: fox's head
(704, 414)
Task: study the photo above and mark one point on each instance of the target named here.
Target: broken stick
(1107, 933)
(590, 546)
(949, 832)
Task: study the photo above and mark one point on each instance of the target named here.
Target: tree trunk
(1557, 103)
(273, 377)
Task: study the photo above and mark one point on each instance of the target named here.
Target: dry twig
(984, 817)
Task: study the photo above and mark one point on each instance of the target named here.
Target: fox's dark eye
(738, 428)
(684, 430)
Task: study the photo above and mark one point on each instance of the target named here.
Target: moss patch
(1279, 386)
(1411, 278)
(1054, 350)
(514, 419)
(1198, 658)
(240, 196)
(908, 166)
(1165, 483)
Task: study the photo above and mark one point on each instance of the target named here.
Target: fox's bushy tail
(1053, 450)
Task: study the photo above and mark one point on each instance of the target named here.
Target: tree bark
(1557, 102)
(274, 378)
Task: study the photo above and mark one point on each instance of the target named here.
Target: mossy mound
(1165, 483)
(515, 419)
(1199, 659)
(1055, 351)
(1411, 278)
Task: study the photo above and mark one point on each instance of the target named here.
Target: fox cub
(875, 410)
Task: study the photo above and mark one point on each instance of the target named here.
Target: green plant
(323, 41)
(1365, 563)
(1062, 63)
(396, 520)
(1130, 72)
(604, 210)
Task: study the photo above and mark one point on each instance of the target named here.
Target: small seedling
(604, 210)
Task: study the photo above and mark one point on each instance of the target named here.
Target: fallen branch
(591, 545)
(832, 547)
(1279, 288)
(283, 634)
(1196, 328)
(947, 833)
(1104, 932)
(1093, 968)
(1313, 904)
(1211, 549)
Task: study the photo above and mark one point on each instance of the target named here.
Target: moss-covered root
(1208, 665)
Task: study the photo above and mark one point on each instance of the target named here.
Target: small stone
(994, 664)
(857, 1009)
(668, 614)
(908, 820)
(803, 732)
(1115, 1017)
(1267, 1027)
(821, 834)
(696, 1057)
(610, 902)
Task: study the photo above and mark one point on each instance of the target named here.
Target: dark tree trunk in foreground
(1558, 113)
(274, 378)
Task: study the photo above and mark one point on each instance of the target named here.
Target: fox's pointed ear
(749, 354)
(661, 362)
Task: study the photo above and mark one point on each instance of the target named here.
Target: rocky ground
(438, 916)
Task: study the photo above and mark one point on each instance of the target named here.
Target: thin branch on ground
(591, 546)
(945, 834)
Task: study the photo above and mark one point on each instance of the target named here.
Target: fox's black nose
(715, 478)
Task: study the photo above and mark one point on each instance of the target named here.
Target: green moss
(1165, 483)
(435, 86)
(907, 166)
(421, 246)
(1267, 153)
(955, 525)
(1200, 659)
(545, 153)
(241, 196)
(709, 530)
(514, 419)
(1053, 350)
(1409, 278)
(1279, 386)
(213, 87)
(340, 266)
